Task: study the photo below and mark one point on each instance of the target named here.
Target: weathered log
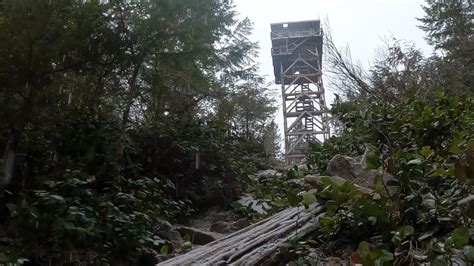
(258, 244)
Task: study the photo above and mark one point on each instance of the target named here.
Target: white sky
(361, 24)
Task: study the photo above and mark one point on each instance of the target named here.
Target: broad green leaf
(22, 261)
(378, 181)
(164, 250)
(187, 237)
(408, 230)
(308, 199)
(426, 151)
(469, 253)
(373, 161)
(331, 205)
(293, 199)
(384, 257)
(438, 262)
(414, 162)
(325, 180)
(364, 249)
(460, 237)
(455, 146)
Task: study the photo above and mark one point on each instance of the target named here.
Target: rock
(237, 225)
(198, 237)
(296, 182)
(174, 237)
(166, 231)
(265, 174)
(348, 168)
(224, 227)
(218, 216)
(220, 227)
(203, 221)
(312, 180)
(315, 181)
(345, 167)
(368, 180)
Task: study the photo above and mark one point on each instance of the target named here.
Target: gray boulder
(350, 169)
(224, 227)
(198, 237)
(345, 167)
(221, 227)
(240, 224)
(265, 174)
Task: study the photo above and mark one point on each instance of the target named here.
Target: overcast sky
(361, 24)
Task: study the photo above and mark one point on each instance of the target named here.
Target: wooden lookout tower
(297, 57)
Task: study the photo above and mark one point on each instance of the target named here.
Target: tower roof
(296, 45)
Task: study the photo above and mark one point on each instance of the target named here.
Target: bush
(425, 213)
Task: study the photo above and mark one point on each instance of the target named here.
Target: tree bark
(126, 112)
(259, 244)
(17, 126)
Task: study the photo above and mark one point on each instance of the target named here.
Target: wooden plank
(257, 244)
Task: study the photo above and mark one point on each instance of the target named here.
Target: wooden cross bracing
(297, 58)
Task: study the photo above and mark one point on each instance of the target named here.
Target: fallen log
(259, 244)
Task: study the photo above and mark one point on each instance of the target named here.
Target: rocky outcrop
(345, 167)
(349, 168)
(198, 237)
(224, 227)
(267, 173)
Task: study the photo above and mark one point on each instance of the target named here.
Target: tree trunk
(17, 126)
(263, 243)
(126, 112)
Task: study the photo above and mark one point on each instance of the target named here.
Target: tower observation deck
(297, 59)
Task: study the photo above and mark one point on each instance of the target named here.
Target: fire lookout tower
(297, 58)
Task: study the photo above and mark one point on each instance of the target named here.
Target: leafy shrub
(68, 212)
(274, 193)
(425, 213)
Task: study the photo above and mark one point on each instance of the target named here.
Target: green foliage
(117, 115)
(277, 193)
(449, 27)
(69, 211)
(448, 24)
(427, 148)
(372, 256)
(414, 119)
